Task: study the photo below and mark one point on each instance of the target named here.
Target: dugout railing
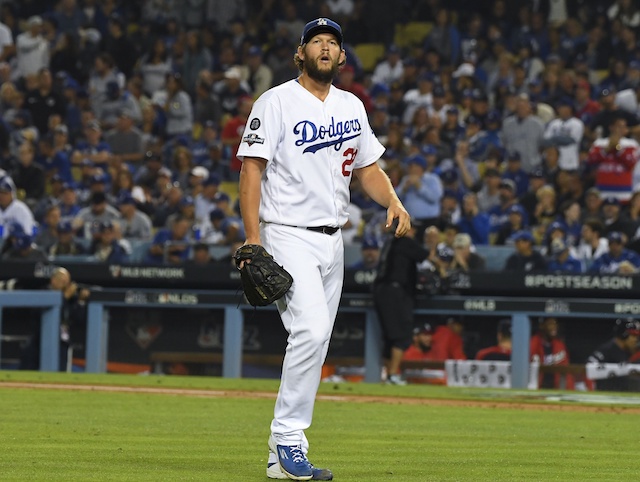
(520, 310)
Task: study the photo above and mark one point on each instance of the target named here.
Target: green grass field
(73, 435)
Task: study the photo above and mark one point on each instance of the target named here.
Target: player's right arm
(249, 195)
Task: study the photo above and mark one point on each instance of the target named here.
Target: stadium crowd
(515, 124)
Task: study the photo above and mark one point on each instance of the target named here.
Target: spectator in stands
(394, 296)
(98, 211)
(93, 148)
(232, 132)
(185, 209)
(202, 255)
(566, 133)
(501, 351)
(610, 117)
(369, 254)
(126, 140)
(105, 246)
(525, 259)
(421, 348)
(548, 349)
(546, 211)
(465, 259)
(147, 175)
(498, 215)
(613, 159)
(12, 210)
(24, 249)
(182, 165)
(224, 229)
(44, 102)
(48, 229)
(346, 81)
(196, 58)
(420, 190)
(65, 244)
(626, 334)
(448, 343)
(256, 73)
(28, 176)
(178, 108)
(171, 245)
(515, 172)
(523, 133)
(618, 260)
(32, 49)
(489, 194)
(104, 71)
(134, 224)
(390, 69)
(117, 101)
(592, 244)
(592, 204)
(560, 260)
(614, 219)
(515, 222)
(472, 221)
(205, 201)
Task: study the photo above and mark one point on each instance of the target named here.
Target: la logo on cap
(322, 21)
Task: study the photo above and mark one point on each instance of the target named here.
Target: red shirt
(552, 352)
(233, 129)
(447, 345)
(496, 352)
(414, 353)
(614, 174)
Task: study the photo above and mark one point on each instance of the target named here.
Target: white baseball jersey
(17, 212)
(311, 148)
(569, 155)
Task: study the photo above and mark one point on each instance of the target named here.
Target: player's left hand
(397, 211)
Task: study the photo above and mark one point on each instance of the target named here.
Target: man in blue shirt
(174, 240)
(420, 190)
(561, 261)
(618, 260)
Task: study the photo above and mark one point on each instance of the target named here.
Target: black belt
(323, 229)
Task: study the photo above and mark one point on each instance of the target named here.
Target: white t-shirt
(5, 37)
(311, 148)
(17, 212)
(32, 53)
(569, 156)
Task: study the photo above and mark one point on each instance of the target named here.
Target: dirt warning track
(186, 392)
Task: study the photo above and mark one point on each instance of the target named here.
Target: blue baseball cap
(217, 213)
(370, 242)
(6, 184)
(516, 209)
(126, 198)
(428, 150)
(321, 25)
(187, 201)
(22, 241)
(615, 237)
(212, 180)
(449, 176)
(221, 197)
(64, 227)
(611, 201)
(417, 159)
(523, 235)
(446, 254)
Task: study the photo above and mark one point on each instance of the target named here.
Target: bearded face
(321, 63)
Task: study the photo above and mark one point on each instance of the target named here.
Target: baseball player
(303, 141)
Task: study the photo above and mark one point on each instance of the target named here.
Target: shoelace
(297, 455)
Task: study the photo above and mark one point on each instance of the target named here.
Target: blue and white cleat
(274, 470)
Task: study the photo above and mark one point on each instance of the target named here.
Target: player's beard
(324, 76)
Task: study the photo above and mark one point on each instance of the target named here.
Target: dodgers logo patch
(253, 139)
(254, 124)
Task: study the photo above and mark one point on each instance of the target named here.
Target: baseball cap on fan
(321, 25)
